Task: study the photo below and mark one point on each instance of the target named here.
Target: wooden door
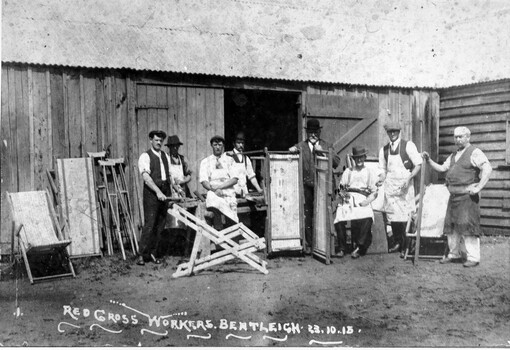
(346, 122)
(193, 114)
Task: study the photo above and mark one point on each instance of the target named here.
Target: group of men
(167, 175)
(467, 172)
(226, 174)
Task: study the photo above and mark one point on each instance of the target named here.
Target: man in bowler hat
(306, 148)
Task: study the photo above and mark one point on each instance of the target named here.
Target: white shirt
(411, 151)
(144, 163)
(208, 164)
(362, 178)
(250, 173)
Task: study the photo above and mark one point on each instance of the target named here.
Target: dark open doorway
(268, 118)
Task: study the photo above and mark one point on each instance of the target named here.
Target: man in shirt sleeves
(153, 165)
(467, 172)
(399, 162)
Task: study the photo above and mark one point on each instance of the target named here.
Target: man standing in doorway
(306, 148)
(243, 167)
(179, 168)
(154, 168)
(399, 161)
(468, 171)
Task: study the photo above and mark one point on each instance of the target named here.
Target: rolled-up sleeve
(144, 164)
(250, 174)
(478, 158)
(413, 153)
(203, 174)
(382, 161)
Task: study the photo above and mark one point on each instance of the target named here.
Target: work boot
(450, 260)
(140, 261)
(470, 263)
(394, 249)
(355, 254)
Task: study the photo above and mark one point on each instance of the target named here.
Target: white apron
(177, 172)
(218, 177)
(241, 187)
(397, 205)
(352, 210)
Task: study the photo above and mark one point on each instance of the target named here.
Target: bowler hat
(240, 136)
(217, 138)
(313, 125)
(158, 133)
(392, 125)
(358, 151)
(173, 140)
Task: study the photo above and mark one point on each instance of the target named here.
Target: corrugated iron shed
(421, 43)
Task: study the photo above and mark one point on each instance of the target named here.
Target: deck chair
(226, 239)
(40, 236)
(433, 244)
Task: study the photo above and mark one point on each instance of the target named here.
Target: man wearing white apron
(357, 191)
(399, 161)
(243, 167)
(179, 168)
(217, 174)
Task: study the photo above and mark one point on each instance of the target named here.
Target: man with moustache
(243, 167)
(467, 172)
(153, 166)
(306, 148)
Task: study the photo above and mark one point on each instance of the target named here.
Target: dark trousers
(399, 234)
(361, 234)
(308, 211)
(154, 223)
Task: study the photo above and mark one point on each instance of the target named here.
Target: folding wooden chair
(225, 239)
(40, 236)
(433, 244)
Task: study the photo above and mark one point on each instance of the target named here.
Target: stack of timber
(114, 204)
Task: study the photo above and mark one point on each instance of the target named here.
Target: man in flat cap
(399, 161)
(153, 166)
(243, 166)
(217, 173)
(306, 148)
(467, 172)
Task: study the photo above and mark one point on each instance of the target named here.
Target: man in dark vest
(154, 168)
(306, 148)
(468, 171)
(400, 162)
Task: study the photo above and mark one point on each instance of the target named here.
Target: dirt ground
(375, 301)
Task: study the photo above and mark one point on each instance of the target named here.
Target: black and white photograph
(255, 173)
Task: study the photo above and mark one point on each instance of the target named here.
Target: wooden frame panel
(323, 230)
(284, 183)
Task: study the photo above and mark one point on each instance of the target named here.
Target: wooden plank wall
(417, 111)
(50, 113)
(56, 112)
(485, 110)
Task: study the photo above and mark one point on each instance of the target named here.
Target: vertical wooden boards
(58, 123)
(286, 211)
(321, 225)
(6, 166)
(42, 146)
(90, 141)
(74, 115)
(79, 207)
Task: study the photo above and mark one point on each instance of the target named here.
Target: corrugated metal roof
(381, 43)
